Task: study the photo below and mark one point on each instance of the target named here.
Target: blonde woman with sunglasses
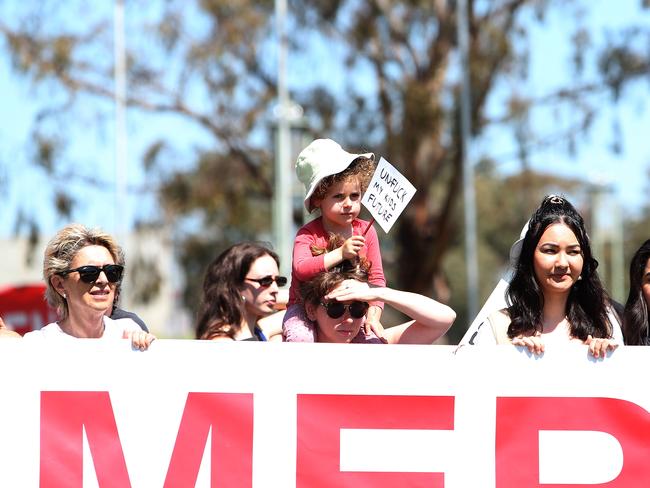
(337, 301)
(83, 270)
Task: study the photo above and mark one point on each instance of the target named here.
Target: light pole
(121, 204)
(282, 212)
(607, 237)
(121, 207)
(469, 198)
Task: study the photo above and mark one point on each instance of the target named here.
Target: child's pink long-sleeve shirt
(305, 266)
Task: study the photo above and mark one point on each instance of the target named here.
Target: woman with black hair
(240, 289)
(555, 295)
(636, 320)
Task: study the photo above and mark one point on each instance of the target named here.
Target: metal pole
(121, 207)
(599, 229)
(607, 235)
(618, 259)
(469, 198)
(282, 202)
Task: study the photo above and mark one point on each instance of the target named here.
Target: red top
(305, 266)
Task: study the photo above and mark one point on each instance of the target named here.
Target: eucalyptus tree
(376, 75)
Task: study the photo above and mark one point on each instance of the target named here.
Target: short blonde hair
(62, 249)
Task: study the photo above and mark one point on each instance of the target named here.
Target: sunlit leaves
(45, 152)
(64, 204)
(145, 279)
(151, 156)
(620, 64)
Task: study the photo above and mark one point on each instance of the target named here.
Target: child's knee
(296, 329)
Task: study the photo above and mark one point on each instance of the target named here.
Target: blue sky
(626, 172)
(91, 153)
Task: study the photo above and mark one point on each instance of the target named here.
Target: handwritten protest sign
(387, 195)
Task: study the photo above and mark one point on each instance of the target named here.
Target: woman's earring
(65, 297)
(243, 298)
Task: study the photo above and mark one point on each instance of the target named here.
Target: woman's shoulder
(116, 327)
(222, 338)
(119, 313)
(217, 330)
(47, 331)
(499, 316)
(499, 321)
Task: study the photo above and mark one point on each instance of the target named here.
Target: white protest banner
(387, 195)
(87, 413)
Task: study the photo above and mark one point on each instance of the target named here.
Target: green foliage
(145, 278)
(637, 230)
(504, 204)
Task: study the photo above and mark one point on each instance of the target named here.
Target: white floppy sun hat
(322, 158)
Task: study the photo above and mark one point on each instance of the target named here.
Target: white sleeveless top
(494, 330)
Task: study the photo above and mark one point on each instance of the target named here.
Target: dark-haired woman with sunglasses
(337, 301)
(241, 296)
(83, 269)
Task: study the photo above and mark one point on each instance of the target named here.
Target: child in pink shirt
(334, 182)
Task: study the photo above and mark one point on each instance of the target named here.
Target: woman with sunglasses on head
(555, 295)
(241, 292)
(337, 301)
(82, 269)
(636, 318)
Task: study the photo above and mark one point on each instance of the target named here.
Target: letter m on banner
(65, 415)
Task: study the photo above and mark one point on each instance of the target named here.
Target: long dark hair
(586, 307)
(222, 308)
(636, 323)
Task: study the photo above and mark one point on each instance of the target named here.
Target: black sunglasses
(336, 309)
(90, 273)
(268, 280)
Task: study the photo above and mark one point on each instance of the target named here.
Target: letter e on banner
(230, 415)
(321, 418)
(64, 414)
(387, 195)
(520, 420)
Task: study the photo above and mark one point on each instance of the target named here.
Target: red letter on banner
(230, 415)
(519, 421)
(64, 414)
(320, 418)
